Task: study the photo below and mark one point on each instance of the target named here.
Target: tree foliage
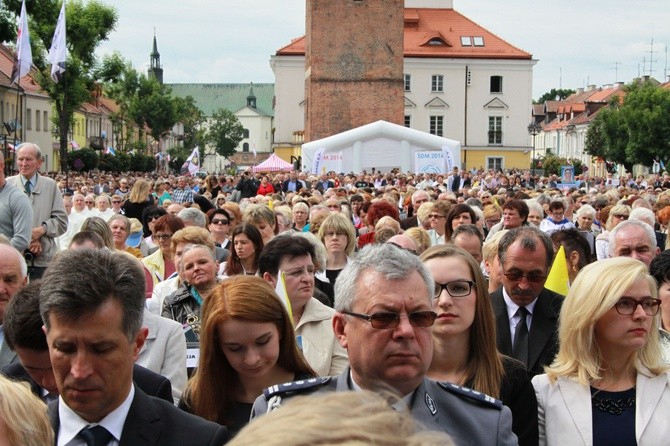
(635, 130)
(88, 24)
(554, 93)
(225, 132)
(551, 164)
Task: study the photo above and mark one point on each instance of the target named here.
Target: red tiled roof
(27, 83)
(448, 25)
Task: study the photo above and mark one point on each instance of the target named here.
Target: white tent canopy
(273, 164)
(384, 146)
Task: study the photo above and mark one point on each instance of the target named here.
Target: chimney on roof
(580, 90)
(618, 85)
(607, 87)
(590, 88)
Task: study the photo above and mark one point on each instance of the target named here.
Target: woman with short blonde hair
(608, 379)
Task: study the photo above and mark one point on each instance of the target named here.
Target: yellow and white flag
(280, 289)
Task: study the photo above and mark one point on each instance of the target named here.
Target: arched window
(245, 133)
(245, 147)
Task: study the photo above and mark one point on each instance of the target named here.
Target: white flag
(193, 161)
(58, 51)
(24, 55)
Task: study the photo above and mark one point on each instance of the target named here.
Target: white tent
(273, 164)
(384, 146)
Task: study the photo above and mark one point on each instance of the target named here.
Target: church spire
(251, 99)
(155, 69)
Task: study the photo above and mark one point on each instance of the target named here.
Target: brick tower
(353, 65)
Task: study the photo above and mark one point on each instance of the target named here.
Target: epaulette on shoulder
(296, 387)
(472, 394)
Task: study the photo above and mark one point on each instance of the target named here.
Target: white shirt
(71, 423)
(512, 315)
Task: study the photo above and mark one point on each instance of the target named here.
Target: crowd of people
(178, 309)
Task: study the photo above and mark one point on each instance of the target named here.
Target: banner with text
(430, 162)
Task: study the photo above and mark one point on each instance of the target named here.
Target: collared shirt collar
(33, 181)
(71, 423)
(512, 308)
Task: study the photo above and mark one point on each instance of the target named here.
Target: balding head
(13, 275)
(405, 242)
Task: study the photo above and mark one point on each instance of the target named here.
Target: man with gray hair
(13, 277)
(418, 198)
(635, 239)
(383, 300)
(49, 216)
(193, 217)
(93, 324)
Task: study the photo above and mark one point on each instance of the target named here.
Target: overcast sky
(576, 42)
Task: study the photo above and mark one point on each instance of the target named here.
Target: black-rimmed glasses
(627, 306)
(391, 319)
(456, 288)
(219, 221)
(163, 236)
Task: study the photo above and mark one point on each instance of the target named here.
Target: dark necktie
(28, 188)
(520, 348)
(95, 436)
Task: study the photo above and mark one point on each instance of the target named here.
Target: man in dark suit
(526, 312)
(24, 335)
(93, 323)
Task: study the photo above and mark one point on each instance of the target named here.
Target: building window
(466, 41)
(408, 120)
(495, 130)
(437, 125)
(437, 83)
(245, 147)
(496, 84)
(45, 121)
(38, 127)
(245, 133)
(408, 82)
(29, 119)
(494, 162)
(478, 41)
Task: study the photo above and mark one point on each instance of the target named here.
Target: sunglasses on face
(516, 275)
(218, 221)
(391, 319)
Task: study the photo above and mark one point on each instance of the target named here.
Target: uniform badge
(430, 404)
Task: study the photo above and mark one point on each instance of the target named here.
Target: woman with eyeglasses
(219, 225)
(438, 221)
(607, 384)
(617, 214)
(247, 344)
(464, 339)
(160, 265)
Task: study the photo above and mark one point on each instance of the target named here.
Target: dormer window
(436, 41)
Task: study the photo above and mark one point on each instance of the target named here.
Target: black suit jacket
(411, 222)
(152, 421)
(543, 335)
(151, 383)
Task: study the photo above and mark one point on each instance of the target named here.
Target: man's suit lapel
(578, 402)
(502, 323)
(542, 328)
(142, 426)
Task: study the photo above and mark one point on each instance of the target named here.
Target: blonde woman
(607, 384)
(138, 199)
(616, 215)
(24, 420)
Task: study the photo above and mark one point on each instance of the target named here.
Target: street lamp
(534, 129)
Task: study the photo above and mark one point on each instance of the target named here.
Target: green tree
(554, 93)
(225, 132)
(192, 118)
(153, 106)
(88, 24)
(645, 113)
(82, 160)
